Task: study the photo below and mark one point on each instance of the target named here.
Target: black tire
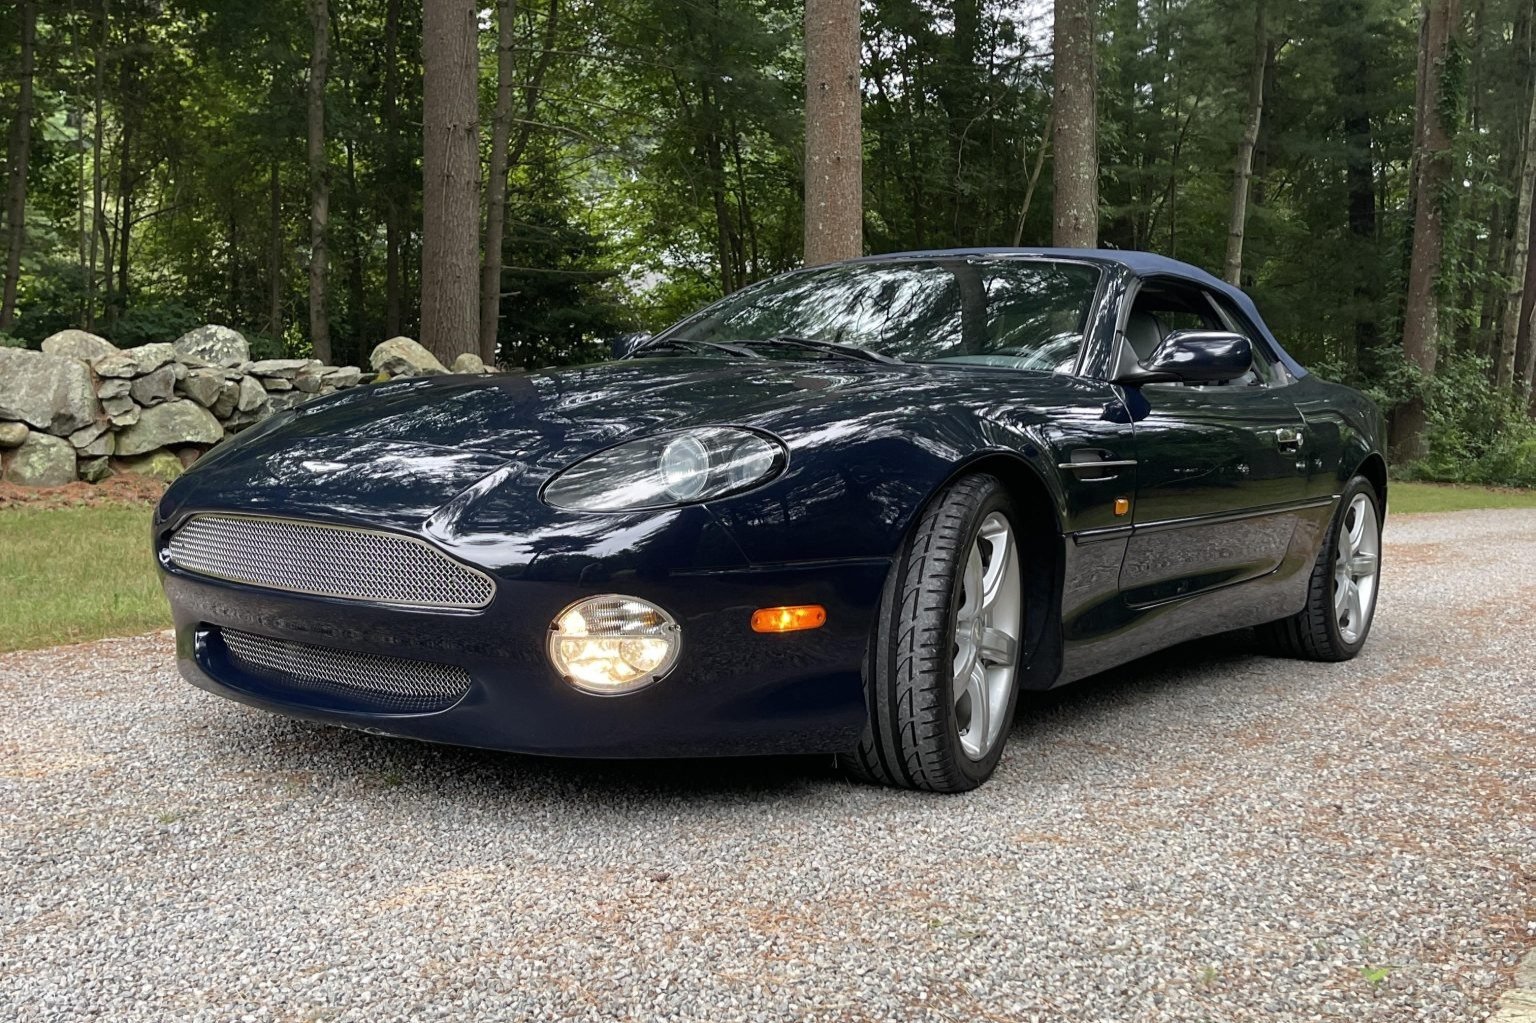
(912, 739)
(1313, 633)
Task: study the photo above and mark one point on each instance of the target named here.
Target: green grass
(73, 574)
(1412, 498)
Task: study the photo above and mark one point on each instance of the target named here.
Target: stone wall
(82, 408)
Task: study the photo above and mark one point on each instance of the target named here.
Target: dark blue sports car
(852, 509)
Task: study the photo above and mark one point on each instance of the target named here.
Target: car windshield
(1014, 313)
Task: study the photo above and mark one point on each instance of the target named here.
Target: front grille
(327, 561)
(380, 683)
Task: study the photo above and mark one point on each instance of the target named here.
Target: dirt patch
(123, 488)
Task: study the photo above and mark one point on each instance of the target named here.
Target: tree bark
(1432, 152)
(393, 204)
(319, 181)
(496, 183)
(126, 184)
(98, 213)
(1490, 305)
(450, 237)
(1034, 180)
(19, 156)
(1509, 367)
(274, 250)
(357, 292)
(1526, 342)
(1242, 174)
(834, 154)
(1075, 138)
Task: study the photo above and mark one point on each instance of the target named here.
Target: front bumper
(732, 692)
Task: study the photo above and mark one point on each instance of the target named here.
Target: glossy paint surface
(1222, 529)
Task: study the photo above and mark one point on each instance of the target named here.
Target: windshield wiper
(831, 347)
(686, 343)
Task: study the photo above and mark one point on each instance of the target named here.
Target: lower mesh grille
(388, 684)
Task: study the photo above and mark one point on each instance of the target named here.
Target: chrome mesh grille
(390, 684)
(328, 561)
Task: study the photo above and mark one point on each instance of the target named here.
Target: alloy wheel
(1355, 568)
(988, 621)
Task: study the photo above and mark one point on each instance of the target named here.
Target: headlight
(670, 469)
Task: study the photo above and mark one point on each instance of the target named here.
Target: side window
(1162, 307)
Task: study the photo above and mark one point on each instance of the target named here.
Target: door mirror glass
(1193, 357)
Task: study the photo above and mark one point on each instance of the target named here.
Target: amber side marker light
(789, 619)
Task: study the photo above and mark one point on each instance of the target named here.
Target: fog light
(613, 644)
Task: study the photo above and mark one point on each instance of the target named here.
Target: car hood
(397, 452)
(581, 409)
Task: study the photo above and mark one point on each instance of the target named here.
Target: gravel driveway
(1207, 835)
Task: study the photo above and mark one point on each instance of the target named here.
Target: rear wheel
(943, 666)
(1341, 599)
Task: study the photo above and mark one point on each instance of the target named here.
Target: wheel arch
(1038, 511)
(1374, 468)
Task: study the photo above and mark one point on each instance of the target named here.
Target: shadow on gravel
(1218, 660)
(306, 754)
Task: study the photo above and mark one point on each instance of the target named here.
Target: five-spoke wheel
(987, 621)
(943, 668)
(1341, 594)
(1355, 567)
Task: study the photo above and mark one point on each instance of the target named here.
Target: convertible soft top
(1142, 264)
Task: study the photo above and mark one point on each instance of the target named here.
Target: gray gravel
(1209, 835)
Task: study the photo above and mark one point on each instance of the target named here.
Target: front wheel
(942, 670)
(1341, 598)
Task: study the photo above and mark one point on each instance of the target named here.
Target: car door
(1222, 474)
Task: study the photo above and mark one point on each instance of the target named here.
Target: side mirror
(1193, 357)
(624, 346)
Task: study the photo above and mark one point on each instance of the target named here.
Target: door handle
(1287, 439)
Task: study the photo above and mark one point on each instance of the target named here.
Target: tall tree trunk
(1509, 369)
(1034, 179)
(1352, 83)
(357, 292)
(274, 250)
(1526, 342)
(1490, 305)
(496, 183)
(1075, 138)
(1242, 173)
(450, 236)
(19, 156)
(319, 181)
(393, 171)
(1432, 151)
(98, 213)
(834, 156)
(126, 184)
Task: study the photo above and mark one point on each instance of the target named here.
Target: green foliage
(1477, 434)
(155, 319)
(658, 162)
(559, 305)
